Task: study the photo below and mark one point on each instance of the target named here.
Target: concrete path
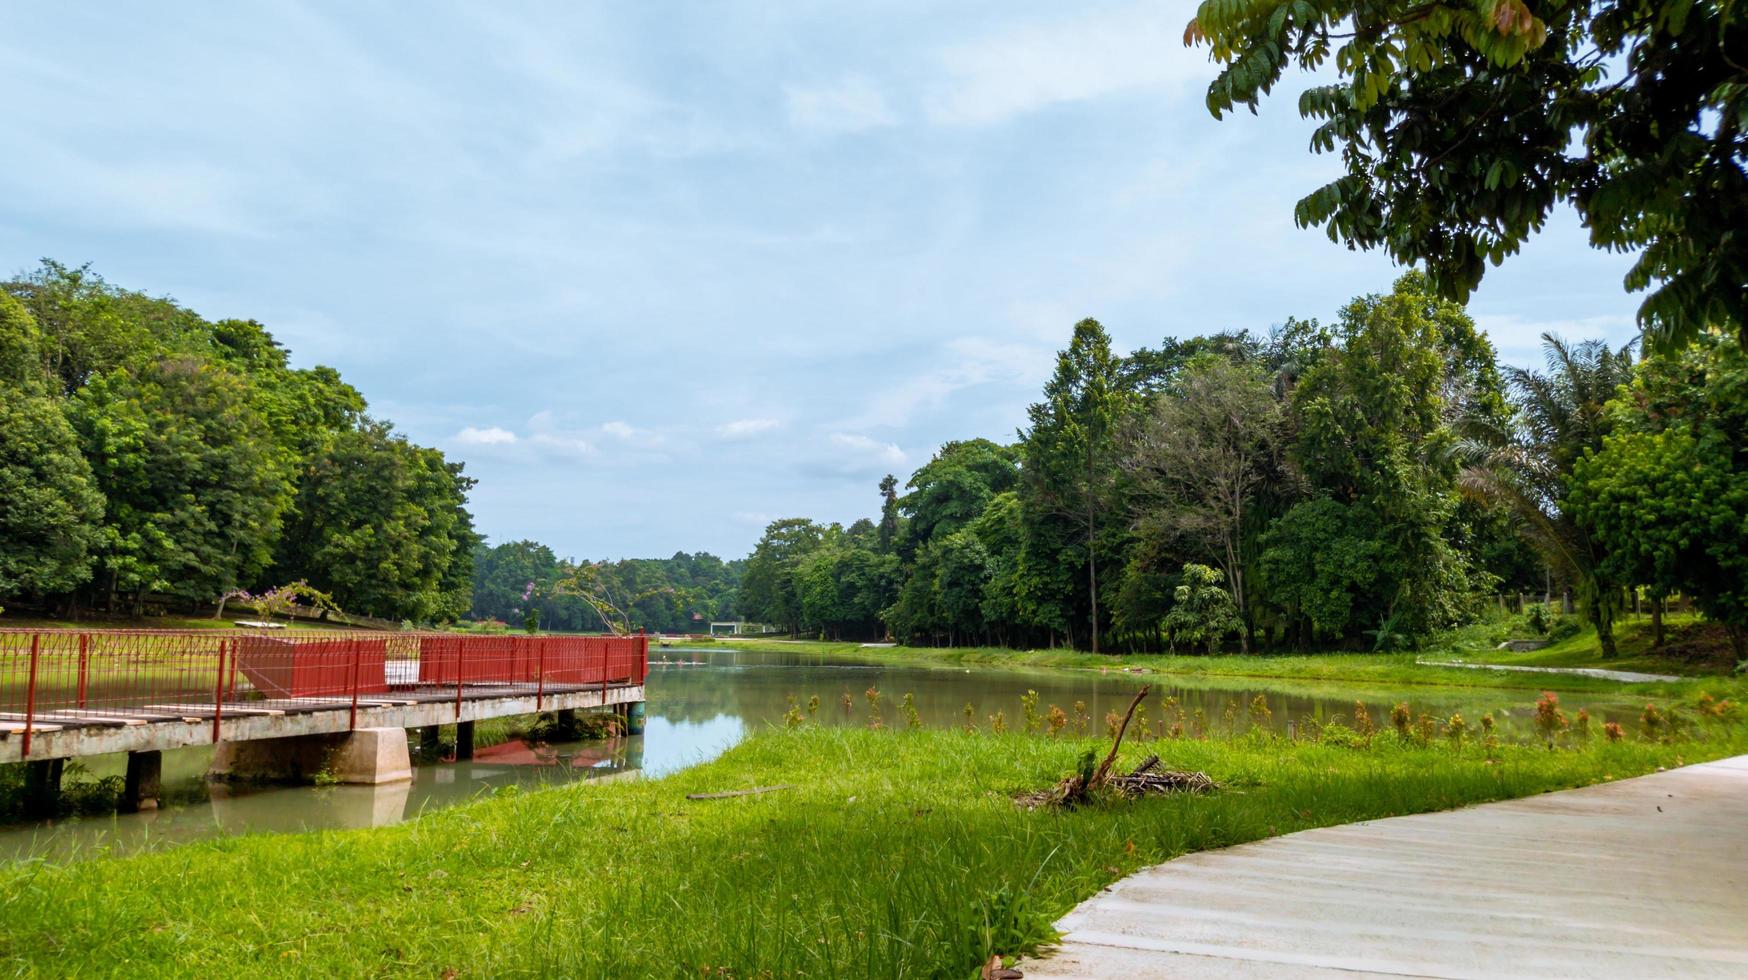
(1646, 877)
(1625, 676)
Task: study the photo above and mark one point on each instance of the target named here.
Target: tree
(769, 590)
(49, 510)
(1461, 126)
(1069, 455)
(194, 484)
(1319, 560)
(1201, 455)
(952, 489)
(381, 524)
(1666, 496)
(1374, 432)
(1201, 611)
(888, 511)
(1562, 416)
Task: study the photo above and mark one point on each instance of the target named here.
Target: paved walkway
(1646, 877)
(1625, 676)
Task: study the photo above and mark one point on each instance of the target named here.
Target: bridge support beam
(463, 741)
(367, 756)
(632, 716)
(144, 783)
(42, 787)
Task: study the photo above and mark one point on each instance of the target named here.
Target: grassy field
(1474, 644)
(896, 853)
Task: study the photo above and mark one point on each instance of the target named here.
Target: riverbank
(637, 879)
(1336, 669)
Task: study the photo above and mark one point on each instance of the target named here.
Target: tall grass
(897, 853)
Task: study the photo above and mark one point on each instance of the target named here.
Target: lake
(701, 701)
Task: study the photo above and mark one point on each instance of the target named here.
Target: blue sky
(662, 272)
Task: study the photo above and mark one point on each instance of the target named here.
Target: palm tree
(1559, 417)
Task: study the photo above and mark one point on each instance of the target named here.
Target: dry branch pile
(1147, 777)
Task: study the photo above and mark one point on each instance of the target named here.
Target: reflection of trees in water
(755, 688)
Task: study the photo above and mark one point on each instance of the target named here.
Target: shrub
(1550, 720)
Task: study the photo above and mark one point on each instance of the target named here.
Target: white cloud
(746, 428)
(1030, 67)
(619, 429)
(865, 450)
(561, 445)
(490, 436)
(963, 362)
(851, 105)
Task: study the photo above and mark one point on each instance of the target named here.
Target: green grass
(898, 853)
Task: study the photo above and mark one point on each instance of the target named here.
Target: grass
(898, 853)
(1691, 653)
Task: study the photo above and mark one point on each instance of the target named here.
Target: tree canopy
(1462, 125)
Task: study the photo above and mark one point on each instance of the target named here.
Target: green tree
(770, 591)
(1374, 433)
(194, 484)
(1068, 484)
(49, 510)
(953, 488)
(1201, 610)
(1319, 561)
(1562, 416)
(888, 512)
(382, 525)
(1461, 126)
(1666, 496)
(1200, 456)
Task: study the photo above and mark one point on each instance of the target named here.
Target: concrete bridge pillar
(144, 783)
(463, 740)
(42, 787)
(368, 756)
(634, 717)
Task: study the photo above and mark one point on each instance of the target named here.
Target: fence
(136, 676)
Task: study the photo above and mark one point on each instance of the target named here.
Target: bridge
(287, 704)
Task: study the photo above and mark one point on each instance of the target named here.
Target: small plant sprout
(1399, 719)
(874, 718)
(1200, 721)
(1112, 720)
(1080, 717)
(1612, 731)
(1581, 726)
(1425, 729)
(848, 702)
(970, 718)
(813, 707)
(1029, 709)
(998, 723)
(1550, 720)
(1651, 723)
(1260, 715)
(792, 717)
(1140, 722)
(1055, 721)
(1456, 730)
(911, 718)
(1362, 720)
(1230, 716)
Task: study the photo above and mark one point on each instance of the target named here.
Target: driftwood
(1147, 777)
(739, 792)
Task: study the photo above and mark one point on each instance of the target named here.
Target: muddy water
(703, 701)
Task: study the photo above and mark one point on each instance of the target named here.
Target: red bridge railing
(80, 677)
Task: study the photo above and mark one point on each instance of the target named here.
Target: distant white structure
(738, 628)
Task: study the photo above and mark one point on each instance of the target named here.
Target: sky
(660, 273)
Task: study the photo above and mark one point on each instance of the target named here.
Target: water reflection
(703, 701)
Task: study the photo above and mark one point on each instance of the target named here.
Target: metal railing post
(460, 648)
(539, 673)
(357, 650)
(84, 665)
(218, 692)
(30, 695)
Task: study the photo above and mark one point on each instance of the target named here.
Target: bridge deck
(70, 734)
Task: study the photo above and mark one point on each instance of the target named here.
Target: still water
(703, 701)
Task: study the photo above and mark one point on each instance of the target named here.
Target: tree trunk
(1656, 622)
